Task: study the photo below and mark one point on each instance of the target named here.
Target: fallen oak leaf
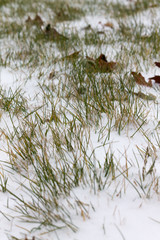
(102, 57)
(156, 78)
(157, 64)
(101, 64)
(53, 34)
(104, 65)
(36, 21)
(139, 79)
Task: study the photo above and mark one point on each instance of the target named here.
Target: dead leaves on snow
(156, 79)
(49, 32)
(157, 64)
(36, 21)
(52, 33)
(101, 64)
(104, 65)
(139, 79)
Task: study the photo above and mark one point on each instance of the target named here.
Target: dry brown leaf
(141, 80)
(101, 64)
(156, 79)
(157, 64)
(102, 58)
(108, 24)
(36, 21)
(104, 65)
(53, 34)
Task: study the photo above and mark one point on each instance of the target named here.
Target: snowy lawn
(79, 117)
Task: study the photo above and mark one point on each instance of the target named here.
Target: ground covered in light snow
(80, 155)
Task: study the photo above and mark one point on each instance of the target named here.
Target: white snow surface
(114, 216)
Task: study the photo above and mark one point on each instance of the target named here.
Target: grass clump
(13, 102)
(122, 10)
(58, 162)
(3, 3)
(65, 12)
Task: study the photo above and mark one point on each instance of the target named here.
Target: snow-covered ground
(128, 207)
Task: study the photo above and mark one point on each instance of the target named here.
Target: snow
(117, 212)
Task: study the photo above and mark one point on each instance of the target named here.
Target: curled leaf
(36, 21)
(102, 58)
(101, 64)
(139, 79)
(156, 79)
(157, 64)
(104, 65)
(53, 34)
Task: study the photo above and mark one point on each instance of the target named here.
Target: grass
(122, 11)
(65, 12)
(50, 137)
